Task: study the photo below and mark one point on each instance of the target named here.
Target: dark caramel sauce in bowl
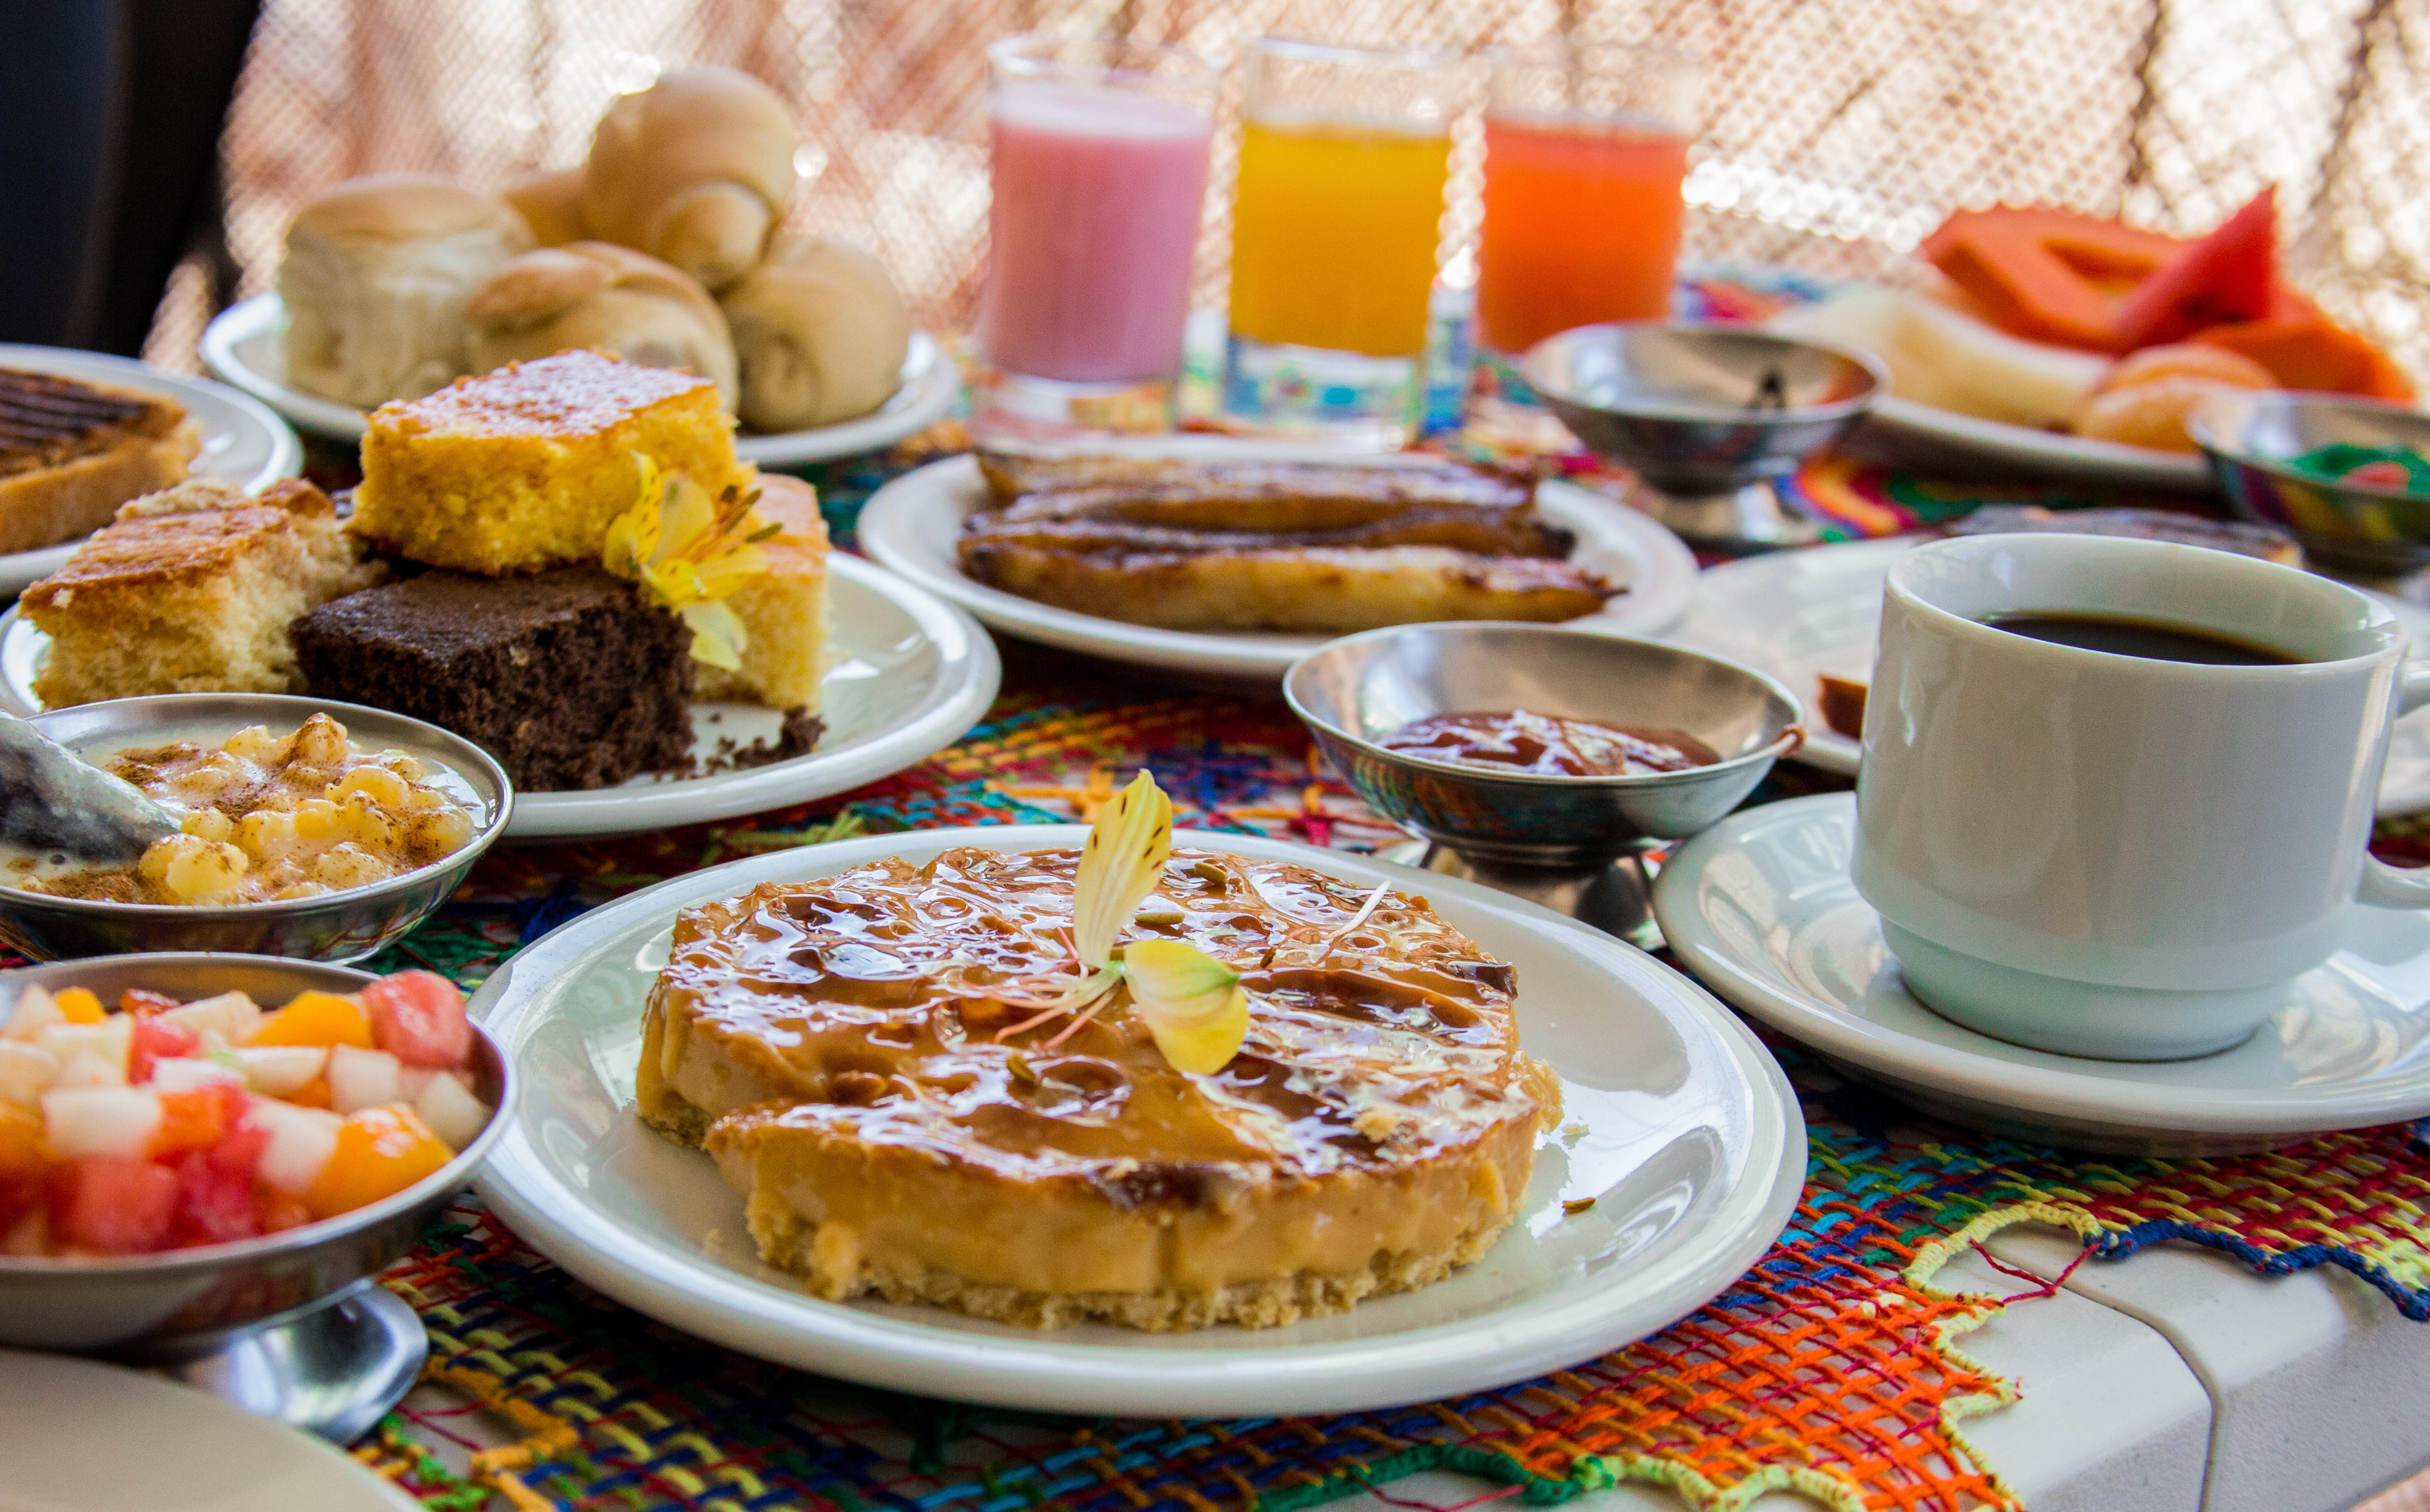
(1550, 745)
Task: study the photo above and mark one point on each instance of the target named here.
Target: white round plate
(78, 1435)
(1800, 614)
(241, 346)
(1762, 908)
(907, 677)
(2047, 453)
(913, 523)
(242, 441)
(1677, 1122)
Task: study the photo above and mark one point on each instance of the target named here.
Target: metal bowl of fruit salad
(203, 1158)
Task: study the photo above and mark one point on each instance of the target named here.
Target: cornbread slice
(73, 452)
(783, 610)
(192, 590)
(834, 1045)
(524, 468)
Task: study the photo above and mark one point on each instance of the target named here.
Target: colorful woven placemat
(1835, 1368)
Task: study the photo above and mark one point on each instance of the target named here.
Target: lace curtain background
(1835, 133)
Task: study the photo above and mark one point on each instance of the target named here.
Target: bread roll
(696, 169)
(609, 299)
(376, 277)
(551, 205)
(821, 331)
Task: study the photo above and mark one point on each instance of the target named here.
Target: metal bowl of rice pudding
(310, 829)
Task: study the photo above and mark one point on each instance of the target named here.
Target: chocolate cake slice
(570, 678)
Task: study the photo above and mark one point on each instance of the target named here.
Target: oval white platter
(2048, 453)
(243, 442)
(1800, 614)
(67, 1427)
(1677, 1122)
(1762, 906)
(908, 675)
(241, 346)
(913, 523)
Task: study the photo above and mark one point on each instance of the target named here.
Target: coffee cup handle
(2390, 887)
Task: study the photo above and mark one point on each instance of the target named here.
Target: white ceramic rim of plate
(309, 1473)
(285, 458)
(891, 530)
(1988, 1076)
(2112, 461)
(929, 386)
(968, 674)
(697, 1294)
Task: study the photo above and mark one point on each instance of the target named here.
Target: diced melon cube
(232, 1016)
(302, 1139)
(26, 1073)
(86, 1070)
(279, 1070)
(100, 1121)
(34, 1011)
(184, 1073)
(91, 1055)
(452, 1111)
(364, 1078)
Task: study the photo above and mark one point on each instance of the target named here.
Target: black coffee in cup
(2123, 636)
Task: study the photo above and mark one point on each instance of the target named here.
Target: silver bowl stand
(1615, 896)
(334, 1367)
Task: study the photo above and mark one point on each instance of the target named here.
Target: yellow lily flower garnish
(1191, 1002)
(686, 554)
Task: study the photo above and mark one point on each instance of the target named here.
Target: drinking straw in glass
(1586, 146)
(1099, 167)
(1335, 229)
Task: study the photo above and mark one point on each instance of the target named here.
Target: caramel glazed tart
(832, 1044)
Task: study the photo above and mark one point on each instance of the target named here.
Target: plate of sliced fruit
(2076, 345)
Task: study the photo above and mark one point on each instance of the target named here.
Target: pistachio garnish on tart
(1166, 1089)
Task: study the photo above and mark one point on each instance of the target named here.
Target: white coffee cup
(2114, 856)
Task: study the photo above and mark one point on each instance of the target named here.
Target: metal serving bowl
(1352, 693)
(336, 926)
(2250, 436)
(189, 1308)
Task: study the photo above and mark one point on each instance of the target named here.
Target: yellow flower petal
(1192, 1004)
(717, 636)
(1118, 866)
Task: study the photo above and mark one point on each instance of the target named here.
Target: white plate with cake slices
(913, 524)
(243, 442)
(241, 346)
(1802, 615)
(1679, 1157)
(908, 676)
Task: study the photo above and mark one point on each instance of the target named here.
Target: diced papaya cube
(80, 1006)
(381, 1150)
(314, 1093)
(316, 1018)
(196, 1120)
(143, 1002)
(23, 1152)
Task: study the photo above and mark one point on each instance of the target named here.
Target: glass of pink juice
(1099, 168)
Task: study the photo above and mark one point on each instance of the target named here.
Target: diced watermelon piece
(113, 1205)
(2225, 277)
(215, 1190)
(157, 1039)
(419, 1018)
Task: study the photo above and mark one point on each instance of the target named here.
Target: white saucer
(908, 676)
(241, 346)
(1675, 1122)
(77, 1435)
(1761, 907)
(912, 524)
(1800, 614)
(242, 441)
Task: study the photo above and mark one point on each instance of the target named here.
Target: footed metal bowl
(2250, 438)
(1352, 693)
(288, 1324)
(336, 926)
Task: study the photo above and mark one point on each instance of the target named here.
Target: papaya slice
(2049, 274)
(2315, 353)
(2225, 277)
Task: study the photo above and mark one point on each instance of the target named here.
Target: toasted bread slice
(71, 452)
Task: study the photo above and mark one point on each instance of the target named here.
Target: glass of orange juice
(1586, 147)
(1336, 226)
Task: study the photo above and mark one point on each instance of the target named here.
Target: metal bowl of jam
(1538, 745)
(2353, 522)
(341, 925)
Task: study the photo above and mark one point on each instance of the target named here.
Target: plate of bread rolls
(81, 433)
(666, 246)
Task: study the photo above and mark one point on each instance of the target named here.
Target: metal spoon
(50, 800)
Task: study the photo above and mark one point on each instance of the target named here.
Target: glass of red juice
(1586, 148)
(1099, 168)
